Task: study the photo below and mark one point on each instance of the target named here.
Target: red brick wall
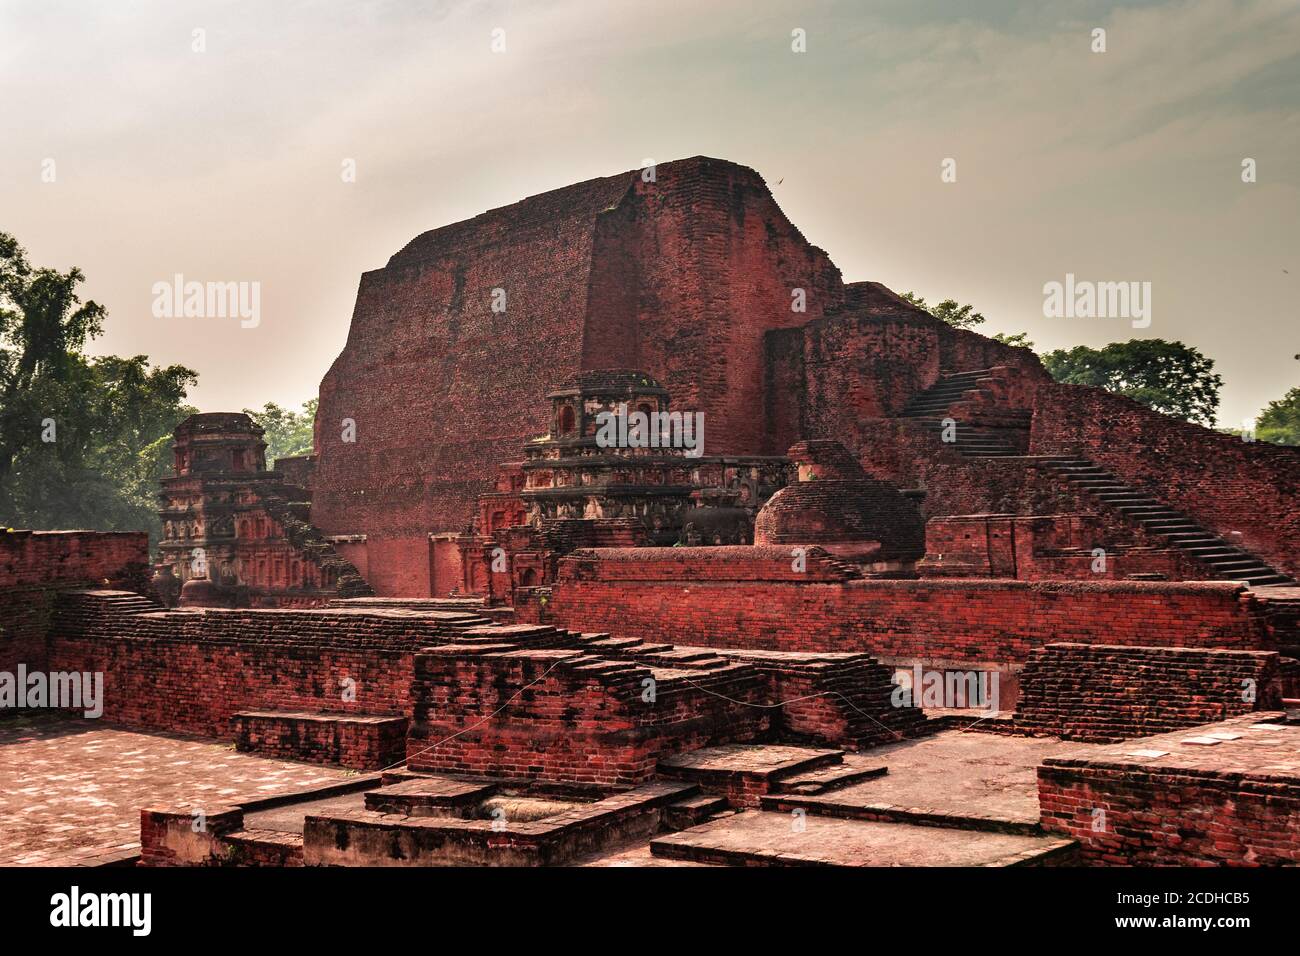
(910, 456)
(681, 277)
(186, 687)
(1103, 693)
(71, 557)
(703, 564)
(1223, 483)
(867, 362)
(1043, 547)
(1221, 810)
(34, 565)
(191, 672)
(360, 743)
(960, 620)
(24, 621)
(447, 572)
(535, 716)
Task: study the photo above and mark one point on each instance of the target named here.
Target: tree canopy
(958, 316)
(1280, 420)
(287, 432)
(1169, 377)
(83, 439)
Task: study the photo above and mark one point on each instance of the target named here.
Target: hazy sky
(226, 164)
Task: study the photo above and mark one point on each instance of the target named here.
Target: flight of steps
(1159, 520)
(97, 610)
(929, 409)
(650, 653)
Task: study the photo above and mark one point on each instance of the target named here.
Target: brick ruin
(468, 594)
(236, 534)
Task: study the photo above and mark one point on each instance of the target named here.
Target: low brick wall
(190, 671)
(1234, 804)
(1102, 693)
(29, 558)
(973, 621)
(357, 742)
(36, 565)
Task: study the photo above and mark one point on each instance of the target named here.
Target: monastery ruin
(495, 638)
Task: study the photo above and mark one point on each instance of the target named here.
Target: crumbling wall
(560, 716)
(36, 565)
(1102, 693)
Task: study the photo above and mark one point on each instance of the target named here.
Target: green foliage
(958, 316)
(1169, 377)
(83, 440)
(288, 432)
(1019, 340)
(1279, 422)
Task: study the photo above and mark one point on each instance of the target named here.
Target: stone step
(693, 811)
(887, 813)
(829, 778)
(429, 796)
(253, 846)
(742, 771)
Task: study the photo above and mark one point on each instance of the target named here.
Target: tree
(1169, 377)
(287, 432)
(1279, 422)
(83, 440)
(958, 316)
(1018, 340)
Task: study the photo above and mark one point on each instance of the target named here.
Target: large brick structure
(685, 274)
(470, 590)
(691, 274)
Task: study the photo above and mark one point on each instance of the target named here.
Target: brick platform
(1225, 793)
(776, 839)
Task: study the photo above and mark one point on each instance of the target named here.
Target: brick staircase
(97, 610)
(1225, 561)
(929, 409)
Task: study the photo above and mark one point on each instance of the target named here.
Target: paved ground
(966, 774)
(757, 837)
(74, 788)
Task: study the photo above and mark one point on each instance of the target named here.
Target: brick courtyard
(74, 788)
